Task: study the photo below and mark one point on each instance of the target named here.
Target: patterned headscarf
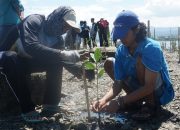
(54, 24)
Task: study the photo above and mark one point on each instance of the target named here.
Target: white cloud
(88, 12)
(24, 2)
(45, 10)
(164, 8)
(160, 12)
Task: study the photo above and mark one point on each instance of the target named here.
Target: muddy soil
(73, 114)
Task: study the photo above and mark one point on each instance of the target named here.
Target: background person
(103, 30)
(72, 40)
(85, 34)
(93, 32)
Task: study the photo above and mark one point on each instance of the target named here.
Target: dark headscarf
(54, 24)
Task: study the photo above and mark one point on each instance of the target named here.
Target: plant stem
(99, 116)
(86, 93)
(97, 82)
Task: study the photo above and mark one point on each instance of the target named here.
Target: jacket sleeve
(29, 32)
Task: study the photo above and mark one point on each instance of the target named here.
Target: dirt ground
(74, 113)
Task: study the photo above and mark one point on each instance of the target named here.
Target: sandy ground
(74, 107)
(168, 118)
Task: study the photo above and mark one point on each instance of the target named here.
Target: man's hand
(84, 56)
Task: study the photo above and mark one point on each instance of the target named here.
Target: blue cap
(123, 23)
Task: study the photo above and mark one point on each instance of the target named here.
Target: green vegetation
(99, 71)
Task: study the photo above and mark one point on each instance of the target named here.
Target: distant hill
(164, 31)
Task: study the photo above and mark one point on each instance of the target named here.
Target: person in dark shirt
(85, 33)
(93, 32)
(39, 48)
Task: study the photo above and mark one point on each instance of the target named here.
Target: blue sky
(161, 13)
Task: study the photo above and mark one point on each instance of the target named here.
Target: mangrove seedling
(95, 64)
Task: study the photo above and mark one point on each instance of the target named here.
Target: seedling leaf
(97, 55)
(93, 57)
(89, 66)
(100, 72)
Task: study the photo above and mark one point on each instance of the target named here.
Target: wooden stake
(86, 94)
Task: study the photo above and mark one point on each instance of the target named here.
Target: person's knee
(10, 54)
(9, 58)
(109, 67)
(108, 64)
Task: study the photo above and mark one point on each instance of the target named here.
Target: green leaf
(92, 56)
(101, 72)
(89, 66)
(85, 61)
(97, 55)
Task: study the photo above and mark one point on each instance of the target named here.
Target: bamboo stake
(97, 83)
(86, 94)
